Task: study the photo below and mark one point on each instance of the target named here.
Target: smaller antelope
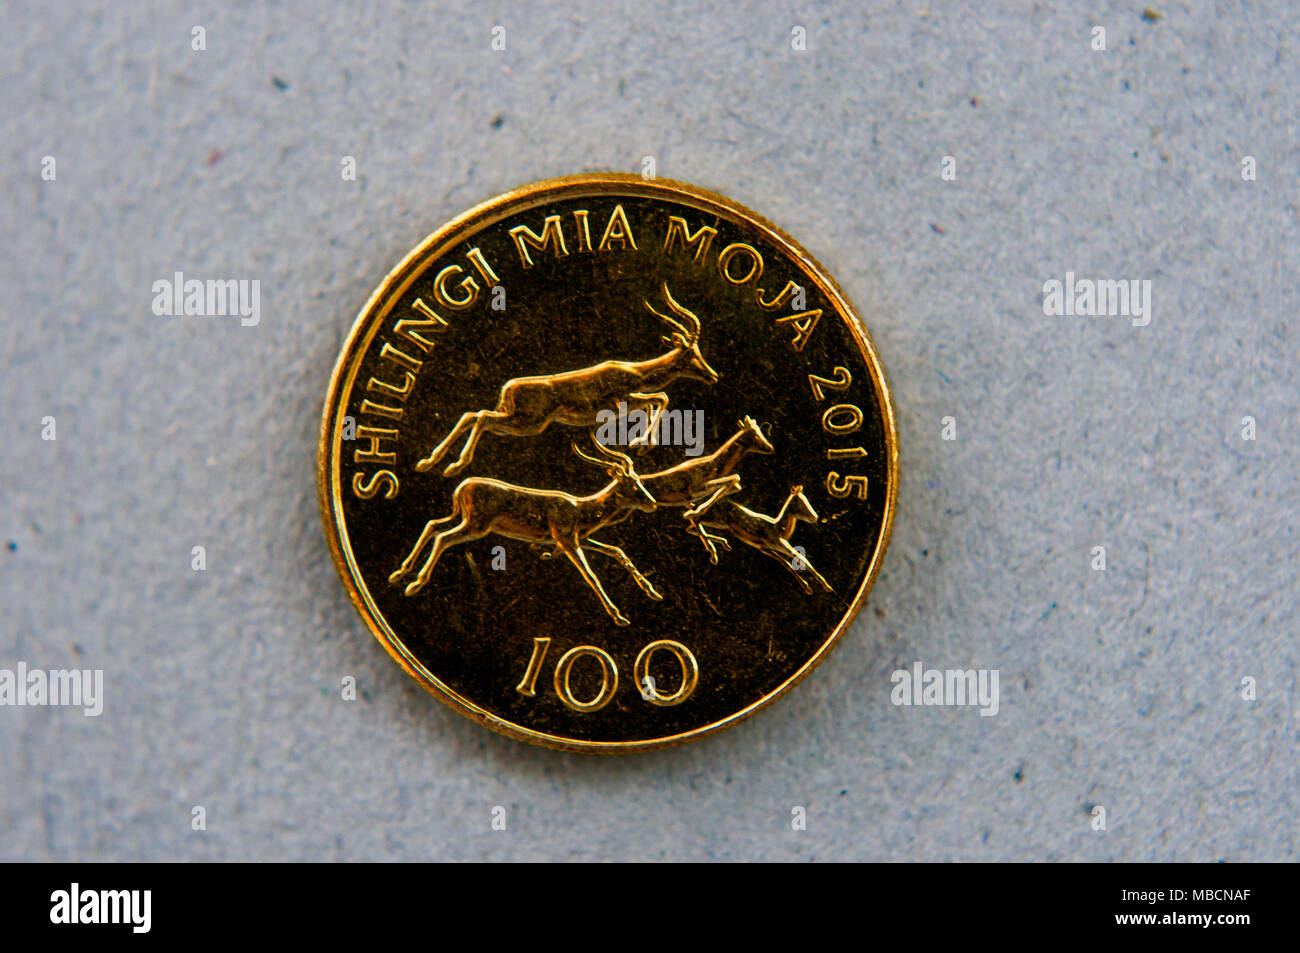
(541, 517)
(702, 482)
(769, 535)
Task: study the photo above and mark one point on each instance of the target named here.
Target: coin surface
(607, 464)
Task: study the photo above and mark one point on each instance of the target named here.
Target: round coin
(608, 463)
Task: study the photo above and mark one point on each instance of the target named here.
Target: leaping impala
(528, 405)
(769, 535)
(701, 482)
(541, 517)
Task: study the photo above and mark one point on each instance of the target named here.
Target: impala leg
(720, 487)
(657, 400)
(793, 554)
(467, 451)
(711, 540)
(615, 552)
(573, 550)
(466, 420)
(444, 541)
(784, 561)
(719, 541)
(420, 543)
(504, 422)
(512, 425)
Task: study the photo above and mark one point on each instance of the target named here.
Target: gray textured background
(1119, 688)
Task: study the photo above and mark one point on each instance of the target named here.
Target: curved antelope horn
(608, 457)
(619, 459)
(586, 456)
(681, 312)
(676, 326)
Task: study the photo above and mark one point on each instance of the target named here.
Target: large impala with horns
(546, 518)
(528, 405)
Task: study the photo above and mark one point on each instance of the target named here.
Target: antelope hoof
(621, 620)
(454, 468)
(415, 587)
(653, 593)
(396, 576)
(425, 465)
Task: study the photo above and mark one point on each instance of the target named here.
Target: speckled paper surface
(1120, 689)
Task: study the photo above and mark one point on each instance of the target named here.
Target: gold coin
(608, 464)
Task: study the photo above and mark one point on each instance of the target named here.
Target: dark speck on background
(278, 83)
(497, 121)
(13, 547)
(938, 229)
(215, 156)
(1151, 16)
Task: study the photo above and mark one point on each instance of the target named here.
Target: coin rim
(329, 490)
